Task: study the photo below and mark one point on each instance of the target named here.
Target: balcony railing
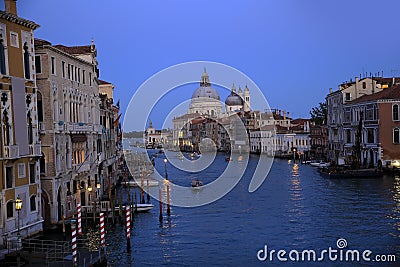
(98, 128)
(83, 167)
(11, 152)
(35, 149)
(59, 126)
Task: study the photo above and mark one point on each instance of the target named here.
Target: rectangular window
(9, 177)
(348, 136)
(38, 65)
(370, 136)
(10, 209)
(32, 173)
(21, 170)
(69, 71)
(348, 96)
(33, 202)
(72, 72)
(63, 69)
(14, 39)
(53, 65)
(76, 73)
(90, 79)
(83, 76)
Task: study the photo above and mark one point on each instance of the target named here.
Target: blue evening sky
(294, 50)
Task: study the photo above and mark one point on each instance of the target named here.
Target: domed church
(239, 101)
(206, 100)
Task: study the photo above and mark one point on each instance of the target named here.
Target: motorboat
(138, 207)
(142, 207)
(134, 183)
(197, 183)
(228, 159)
(320, 164)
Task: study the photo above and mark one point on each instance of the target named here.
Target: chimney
(330, 90)
(284, 115)
(11, 6)
(393, 81)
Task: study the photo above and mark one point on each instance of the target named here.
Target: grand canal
(294, 209)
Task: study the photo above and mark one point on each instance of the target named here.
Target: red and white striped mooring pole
(128, 228)
(74, 247)
(102, 233)
(79, 219)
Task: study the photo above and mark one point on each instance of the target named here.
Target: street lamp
(18, 207)
(165, 166)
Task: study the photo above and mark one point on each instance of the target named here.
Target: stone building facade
(70, 129)
(20, 148)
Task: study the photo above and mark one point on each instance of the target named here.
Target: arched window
(6, 128)
(33, 202)
(396, 136)
(10, 209)
(395, 111)
(26, 62)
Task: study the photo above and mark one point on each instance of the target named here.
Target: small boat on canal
(139, 207)
(133, 183)
(196, 183)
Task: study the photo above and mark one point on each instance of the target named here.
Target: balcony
(83, 167)
(11, 152)
(59, 126)
(35, 150)
(82, 127)
(98, 128)
(69, 126)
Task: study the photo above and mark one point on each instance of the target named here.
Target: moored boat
(138, 207)
(150, 182)
(197, 183)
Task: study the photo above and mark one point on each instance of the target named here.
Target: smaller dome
(234, 100)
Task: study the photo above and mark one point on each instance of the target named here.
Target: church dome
(205, 90)
(233, 100)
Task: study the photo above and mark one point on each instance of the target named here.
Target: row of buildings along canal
(60, 135)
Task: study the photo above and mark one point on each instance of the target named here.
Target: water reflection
(295, 208)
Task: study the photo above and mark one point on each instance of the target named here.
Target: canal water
(294, 209)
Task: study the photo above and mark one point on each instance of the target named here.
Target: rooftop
(388, 93)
